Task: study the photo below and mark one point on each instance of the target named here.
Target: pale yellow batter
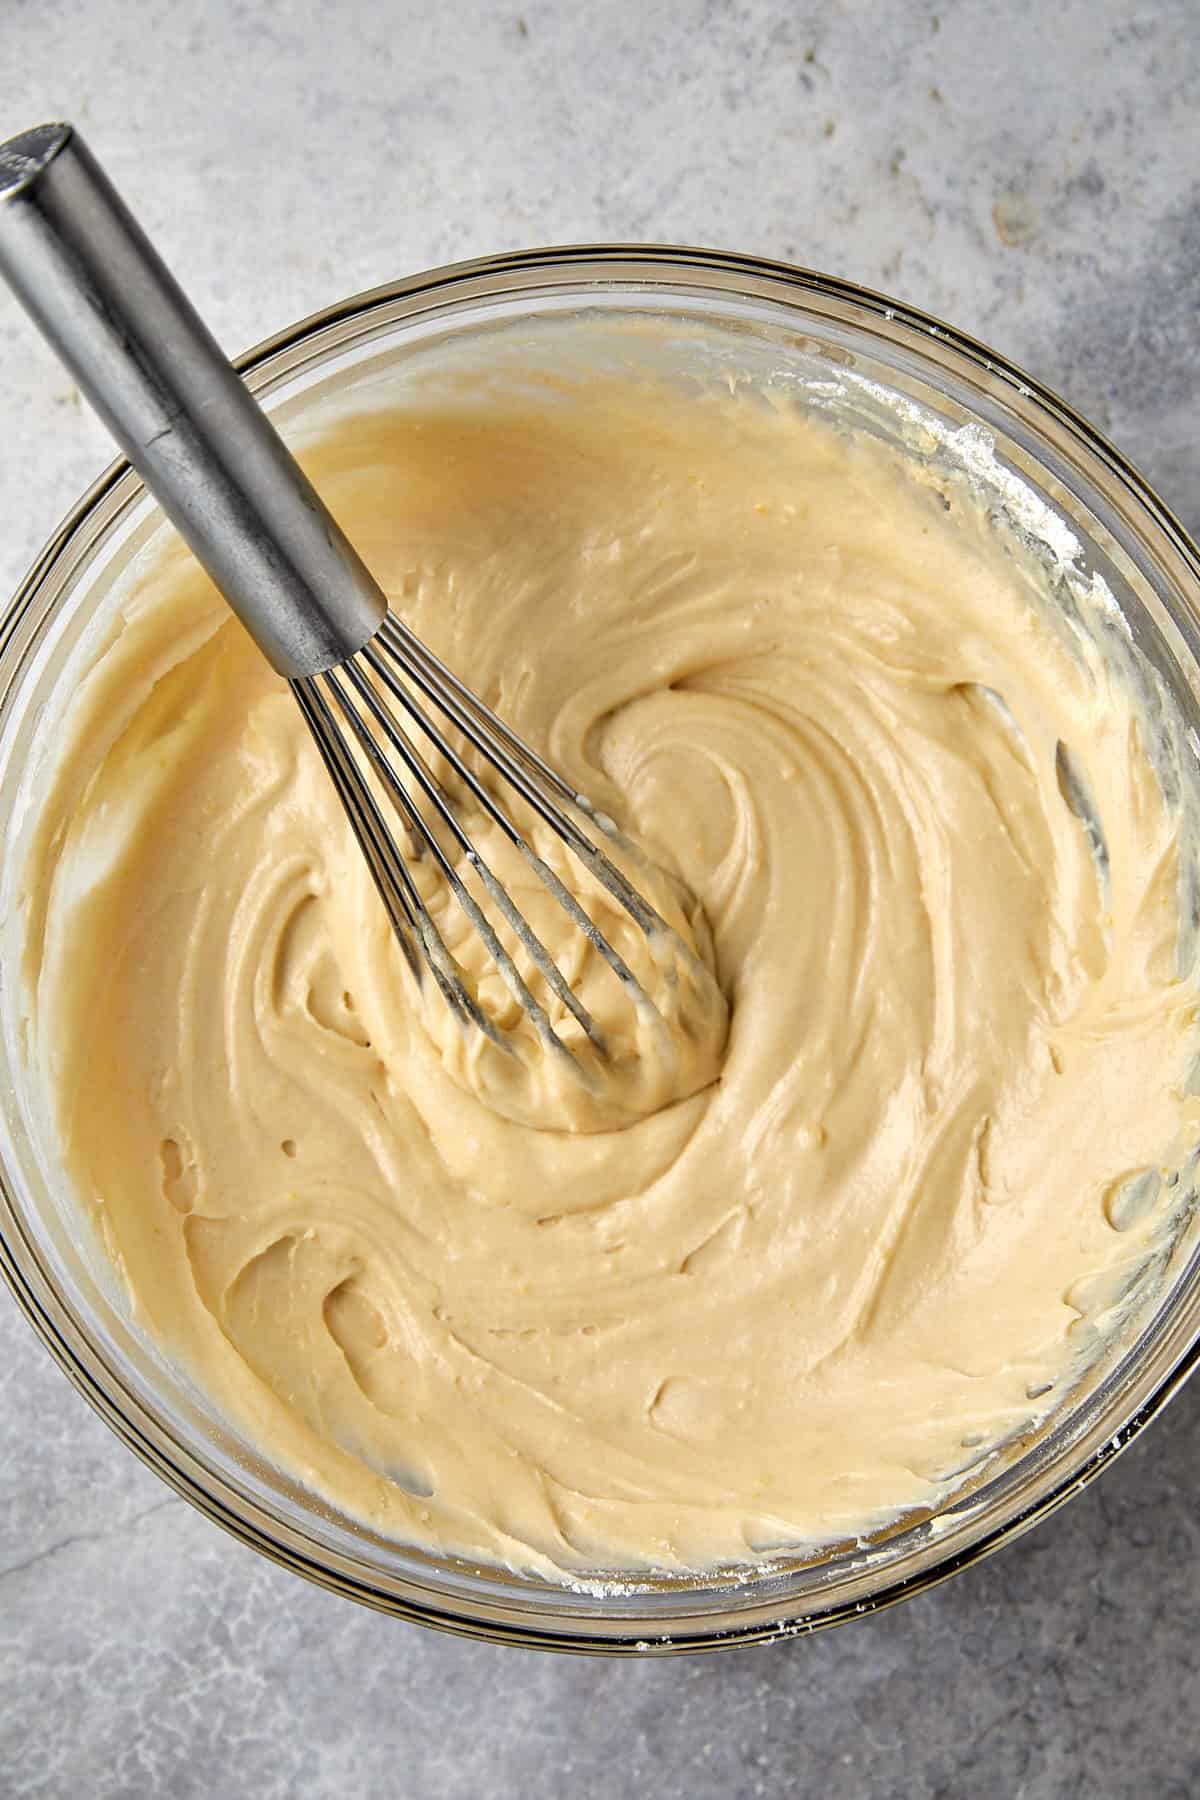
(784, 1308)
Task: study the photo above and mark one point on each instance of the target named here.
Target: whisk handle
(94, 285)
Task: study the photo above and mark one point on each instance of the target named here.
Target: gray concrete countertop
(1025, 171)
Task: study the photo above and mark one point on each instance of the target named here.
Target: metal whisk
(369, 709)
(386, 714)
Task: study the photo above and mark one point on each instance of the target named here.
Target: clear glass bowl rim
(578, 270)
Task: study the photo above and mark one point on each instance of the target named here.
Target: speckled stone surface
(1029, 173)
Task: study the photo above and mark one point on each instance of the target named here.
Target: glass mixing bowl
(834, 340)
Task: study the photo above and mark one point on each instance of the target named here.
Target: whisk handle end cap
(23, 157)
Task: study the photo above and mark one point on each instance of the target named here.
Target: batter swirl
(775, 1310)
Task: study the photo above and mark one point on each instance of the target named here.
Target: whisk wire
(513, 759)
(407, 912)
(400, 896)
(418, 824)
(436, 795)
(545, 874)
(393, 631)
(392, 685)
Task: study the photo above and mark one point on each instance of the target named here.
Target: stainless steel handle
(91, 281)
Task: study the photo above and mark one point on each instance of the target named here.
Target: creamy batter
(941, 885)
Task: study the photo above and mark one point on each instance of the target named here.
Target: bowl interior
(866, 363)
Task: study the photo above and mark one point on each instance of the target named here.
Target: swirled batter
(941, 882)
